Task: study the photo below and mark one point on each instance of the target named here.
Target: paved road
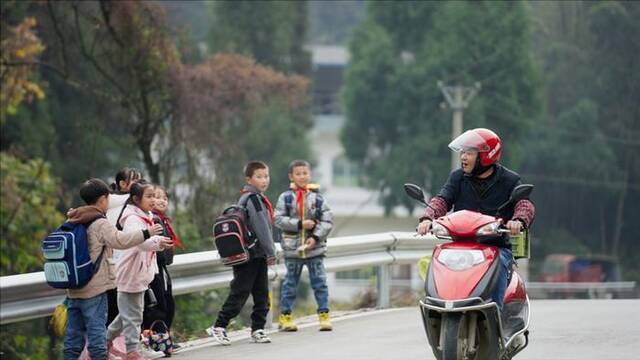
(560, 330)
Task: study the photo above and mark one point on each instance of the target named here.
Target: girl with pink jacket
(135, 271)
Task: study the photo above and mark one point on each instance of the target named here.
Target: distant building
(356, 209)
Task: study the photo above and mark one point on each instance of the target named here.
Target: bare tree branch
(106, 15)
(91, 58)
(59, 34)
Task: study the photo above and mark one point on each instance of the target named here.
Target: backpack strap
(242, 202)
(98, 262)
(96, 265)
(319, 203)
(288, 202)
(244, 199)
(118, 225)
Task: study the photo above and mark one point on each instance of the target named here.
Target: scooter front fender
(487, 321)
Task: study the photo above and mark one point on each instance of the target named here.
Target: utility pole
(458, 98)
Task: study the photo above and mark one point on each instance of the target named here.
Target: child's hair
(125, 174)
(92, 189)
(295, 163)
(166, 193)
(137, 191)
(252, 166)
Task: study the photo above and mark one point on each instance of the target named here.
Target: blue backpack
(67, 261)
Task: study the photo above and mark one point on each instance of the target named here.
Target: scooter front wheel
(452, 332)
(467, 337)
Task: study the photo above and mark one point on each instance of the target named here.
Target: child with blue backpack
(87, 306)
(305, 220)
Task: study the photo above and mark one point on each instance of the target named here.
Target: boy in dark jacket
(251, 277)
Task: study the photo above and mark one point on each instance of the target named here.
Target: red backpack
(231, 234)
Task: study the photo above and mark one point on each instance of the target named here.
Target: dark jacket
(164, 306)
(460, 193)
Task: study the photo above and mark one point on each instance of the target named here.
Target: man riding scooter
(482, 185)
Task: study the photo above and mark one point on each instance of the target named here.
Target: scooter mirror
(521, 192)
(415, 192)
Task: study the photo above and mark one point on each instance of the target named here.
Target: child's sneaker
(147, 353)
(325, 322)
(114, 353)
(220, 334)
(135, 355)
(260, 337)
(285, 323)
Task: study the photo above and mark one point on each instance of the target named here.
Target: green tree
(614, 26)
(393, 103)
(20, 47)
(28, 212)
(231, 110)
(121, 55)
(582, 156)
(273, 32)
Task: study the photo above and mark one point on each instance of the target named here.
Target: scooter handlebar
(507, 231)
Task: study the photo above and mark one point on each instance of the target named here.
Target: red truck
(573, 268)
(565, 268)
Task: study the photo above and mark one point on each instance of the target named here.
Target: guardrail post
(384, 285)
(269, 324)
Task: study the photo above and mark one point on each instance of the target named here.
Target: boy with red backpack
(251, 278)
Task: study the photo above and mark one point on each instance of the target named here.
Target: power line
(611, 185)
(556, 130)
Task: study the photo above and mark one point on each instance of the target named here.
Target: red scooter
(461, 320)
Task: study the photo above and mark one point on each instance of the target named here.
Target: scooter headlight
(460, 259)
(489, 229)
(439, 230)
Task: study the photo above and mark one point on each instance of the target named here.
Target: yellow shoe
(285, 323)
(325, 322)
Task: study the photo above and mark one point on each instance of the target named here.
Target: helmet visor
(469, 140)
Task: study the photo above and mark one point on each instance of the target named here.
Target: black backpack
(231, 234)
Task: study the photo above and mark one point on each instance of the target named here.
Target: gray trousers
(128, 320)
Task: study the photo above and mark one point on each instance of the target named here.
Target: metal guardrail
(612, 286)
(592, 290)
(27, 296)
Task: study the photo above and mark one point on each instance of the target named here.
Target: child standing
(164, 307)
(119, 195)
(135, 270)
(120, 192)
(305, 220)
(251, 277)
(87, 308)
